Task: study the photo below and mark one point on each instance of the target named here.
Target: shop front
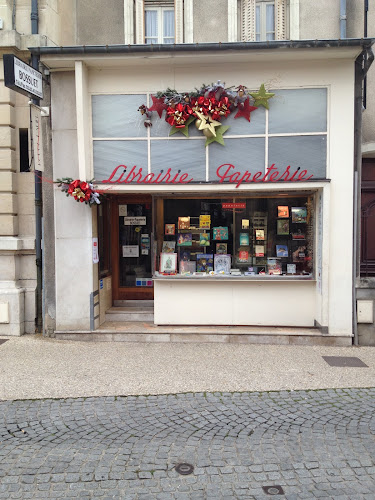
(245, 221)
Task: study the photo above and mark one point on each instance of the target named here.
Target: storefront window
(236, 236)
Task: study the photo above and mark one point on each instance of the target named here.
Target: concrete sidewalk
(32, 367)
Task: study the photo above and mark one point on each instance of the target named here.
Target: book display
(261, 237)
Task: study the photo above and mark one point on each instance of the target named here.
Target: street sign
(21, 77)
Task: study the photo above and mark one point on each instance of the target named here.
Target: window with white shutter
(263, 20)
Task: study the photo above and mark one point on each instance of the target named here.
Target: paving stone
(316, 444)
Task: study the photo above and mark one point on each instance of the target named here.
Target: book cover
(259, 234)
(185, 240)
(170, 229)
(282, 211)
(222, 263)
(184, 223)
(205, 262)
(299, 254)
(291, 269)
(283, 227)
(205, 221)
(184, 254)
(221, 248)
(298, 235)
(274, 266)
(282, 250)
(168, 246)
(168, 263)
(220, 233)
(187, 266)
(259, 250)
(243, 256)
(245, 223)
(204, 239)
(244, 239)
(299, 215)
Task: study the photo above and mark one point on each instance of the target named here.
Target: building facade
(190, 21)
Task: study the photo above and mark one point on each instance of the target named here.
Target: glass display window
(241, 236)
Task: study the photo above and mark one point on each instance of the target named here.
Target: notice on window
(123, 210)
(130, 251)
(95, 251)
(135, 221)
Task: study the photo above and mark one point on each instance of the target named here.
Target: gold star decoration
(261, 97)
(207, 123)
(219, 135)
(183, 130)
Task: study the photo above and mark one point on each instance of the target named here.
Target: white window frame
(262, 5)
(248, 21)
(160, 10)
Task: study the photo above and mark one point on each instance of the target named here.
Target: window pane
(168, 40)
(168, 24)
(151, 23)
(149, 41)
(109, 154)
(270, 36)
(118, 116)
(270, 17)
(187, 156)
(300, 110)
(307, 152)
(257, 20)
(244, 154)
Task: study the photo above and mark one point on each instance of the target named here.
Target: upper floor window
(264, 21)
(159, 25)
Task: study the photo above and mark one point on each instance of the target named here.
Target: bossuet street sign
(21, 77)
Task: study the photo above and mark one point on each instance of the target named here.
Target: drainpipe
(362, 65)
(342, 19)
(38, 190)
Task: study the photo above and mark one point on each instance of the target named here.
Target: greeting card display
(185, 240)
(184, 223)
(222, 263)
(282, 250)
(244, 239)
(205, 221)
(274, 266)
(259, 250)
(299, 215)
(168, 246)
(283, 227)
(204, 239)
(220, 233)
(168, 263)
(259, 234)
(221, 248)
(170, 229)
(282, 211)
(205, 262)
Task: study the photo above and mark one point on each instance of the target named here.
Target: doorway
(131, 248)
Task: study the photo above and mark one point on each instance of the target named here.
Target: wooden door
(132, 248)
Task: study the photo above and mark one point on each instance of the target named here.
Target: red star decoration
(245, 109)
(158, 105)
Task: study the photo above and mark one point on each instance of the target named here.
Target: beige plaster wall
(319, 19)
(100, 23)
(210, 21)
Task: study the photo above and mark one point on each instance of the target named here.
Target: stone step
(134, 303)
(130, 313)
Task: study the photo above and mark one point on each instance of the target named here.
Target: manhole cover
(184, 469)
(3, 340)
(343, 361)
(273, 490)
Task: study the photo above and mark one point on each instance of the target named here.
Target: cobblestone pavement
(315, 444)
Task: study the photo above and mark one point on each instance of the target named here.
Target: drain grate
(343, 361)
(273, 490)
(2, 341)
(184, 469)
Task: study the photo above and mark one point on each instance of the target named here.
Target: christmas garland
(83, 192)
(206, 107)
